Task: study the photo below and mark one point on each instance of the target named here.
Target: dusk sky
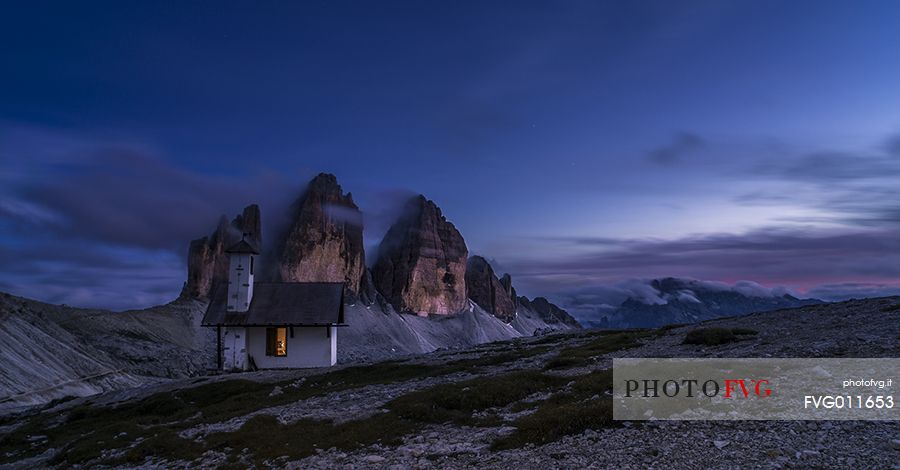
(577, 145)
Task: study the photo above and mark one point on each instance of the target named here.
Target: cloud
(681, 145)
(385, 206)
(596, 301)
(892, 145)
(840, 238)
(801, 258)
(126, 197)
(344, 214)
(28, 212)
(848, 290)
(830, 167)
(90, 274)
(106, 222)
(122, 192)
(844, 187)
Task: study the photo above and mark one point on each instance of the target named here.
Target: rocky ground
(523, 403)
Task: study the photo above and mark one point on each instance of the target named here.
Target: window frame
(272, 334)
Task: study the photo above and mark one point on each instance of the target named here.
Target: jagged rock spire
(421, 263)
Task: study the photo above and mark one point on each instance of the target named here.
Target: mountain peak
(487, 291)
(207, 261)
(324, 242)
(421, 264)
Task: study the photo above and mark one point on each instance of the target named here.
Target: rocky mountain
(487, 291)
(676, 300)
(421, 265)
(325, 241)
(548, 312)
(498, 297)
(207, 262)
(508, 289)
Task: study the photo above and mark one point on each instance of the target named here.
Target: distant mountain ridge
(676, 300)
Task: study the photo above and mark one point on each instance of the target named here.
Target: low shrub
(586, 354)
(710, 336)
(672, 326)
(585, 404)
(553, 421)
(268, 439)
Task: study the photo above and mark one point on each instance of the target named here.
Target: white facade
(234, 348)
(241, 267)
(310, 346)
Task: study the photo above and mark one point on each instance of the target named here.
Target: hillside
(373, 334)
(525, 403)
(53, 352)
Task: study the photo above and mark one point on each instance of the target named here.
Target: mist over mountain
(641, 303)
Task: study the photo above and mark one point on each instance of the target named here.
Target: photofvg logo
(752, 388)
(690, 388)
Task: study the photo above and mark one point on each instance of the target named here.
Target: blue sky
(576, 144)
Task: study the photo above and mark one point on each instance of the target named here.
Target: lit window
(276, 342)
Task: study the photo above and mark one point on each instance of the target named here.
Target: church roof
(281, 304)
(242, 246)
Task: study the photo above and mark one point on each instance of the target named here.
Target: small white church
(273, 325)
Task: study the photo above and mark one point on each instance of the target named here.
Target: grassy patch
(672, 326)
(84, 432)
(468, 365)
(550, 338)
(716, 336)
(457, 401)
(130, 433)
(584, 405)
(563, 362)
(744, 331)
(166, 444)
(553, 421)
(890, 308)
(268, 439)
(586, 354)
(136, 335)
(710, 336)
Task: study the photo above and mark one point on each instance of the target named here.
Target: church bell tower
(241, 266)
